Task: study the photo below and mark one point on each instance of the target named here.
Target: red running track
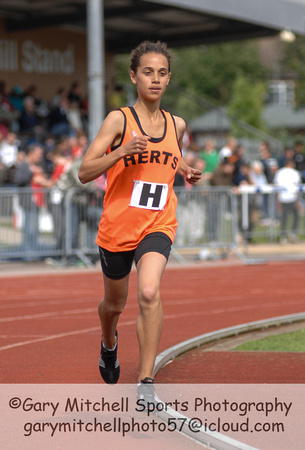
(50, 328)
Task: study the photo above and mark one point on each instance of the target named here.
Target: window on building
(281, 93)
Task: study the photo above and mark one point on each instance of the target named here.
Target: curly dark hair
(149, 47)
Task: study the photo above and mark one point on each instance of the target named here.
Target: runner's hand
(137, 145)
(192, 175)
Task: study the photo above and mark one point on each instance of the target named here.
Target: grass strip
(284, 342)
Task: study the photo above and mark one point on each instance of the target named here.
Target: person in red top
(61, 165)
(139, 149)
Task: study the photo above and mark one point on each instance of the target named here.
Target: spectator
(270, 165)
(41, 107)
(29, 175)
(74, 94)
(2, 174)
(228, 149)
(190, 209)
(80, 204)
(2, 141)
(3, 169)
(288, 180)
(8, 155)
(299, 159)
(222, 176)
(246, 219)
(269, 162)
(7, 110)
(74, 116)
(200, 164)
(188, 144)
(59, 124)
(243, 174)
(80, 145)
(257, 174)
(31, 91)
(49, 145)
(260, 180)
(188, 152)
(9, 149)
(210, 156)
(16, 96)
(288, 154)
(29, 123)
(61, 164)
(64, 142)
(237, 158)
(57, 97)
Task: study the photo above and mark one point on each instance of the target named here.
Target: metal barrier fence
(63, 225)
(49, 223)
(272, 214)
(206, 217)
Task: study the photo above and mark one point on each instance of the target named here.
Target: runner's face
(152, 76)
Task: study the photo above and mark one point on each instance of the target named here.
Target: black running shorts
(117, 265)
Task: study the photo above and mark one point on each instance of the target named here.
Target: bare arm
(190, 174)
(96, 162)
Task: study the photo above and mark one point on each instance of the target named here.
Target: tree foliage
(212, 70)
(203, 76)
(293, 66)
(247, 102)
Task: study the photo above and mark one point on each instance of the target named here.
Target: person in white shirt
(9, 150)
(228, 150)
(288, 180)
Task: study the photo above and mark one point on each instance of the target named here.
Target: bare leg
(110, 308)
(150, 319)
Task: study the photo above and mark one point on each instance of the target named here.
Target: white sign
(36, 59)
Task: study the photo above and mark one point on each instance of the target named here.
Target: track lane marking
(58, 336)
(90, 310)
(132, 322)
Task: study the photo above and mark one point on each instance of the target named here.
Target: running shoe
(108, 364)
(146, 391)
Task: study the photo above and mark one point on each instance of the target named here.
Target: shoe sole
(110, 376)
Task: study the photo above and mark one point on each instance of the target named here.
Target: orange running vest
(139, 197)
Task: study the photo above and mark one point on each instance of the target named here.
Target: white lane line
(11, 336)
(129, 305)
(134, 305)
(48, 338)
(49, 314)
(232, 309)
(42, 303)
(60, 335)
(208, 311)
(58, 302)
(132, 322)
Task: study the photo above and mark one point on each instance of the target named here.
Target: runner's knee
(148, 295)
(112, 307)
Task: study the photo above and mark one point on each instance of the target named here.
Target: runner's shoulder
(180, 126)
(115, 118)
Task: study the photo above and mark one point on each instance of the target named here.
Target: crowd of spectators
(230, 166)
(41, 146)
(59, 129)
(27, 119)
(262, 168)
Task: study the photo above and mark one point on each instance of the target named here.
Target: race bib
(148, 195)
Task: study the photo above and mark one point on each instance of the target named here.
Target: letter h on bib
(149, 195)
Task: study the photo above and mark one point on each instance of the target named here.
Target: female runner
(139, 148)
